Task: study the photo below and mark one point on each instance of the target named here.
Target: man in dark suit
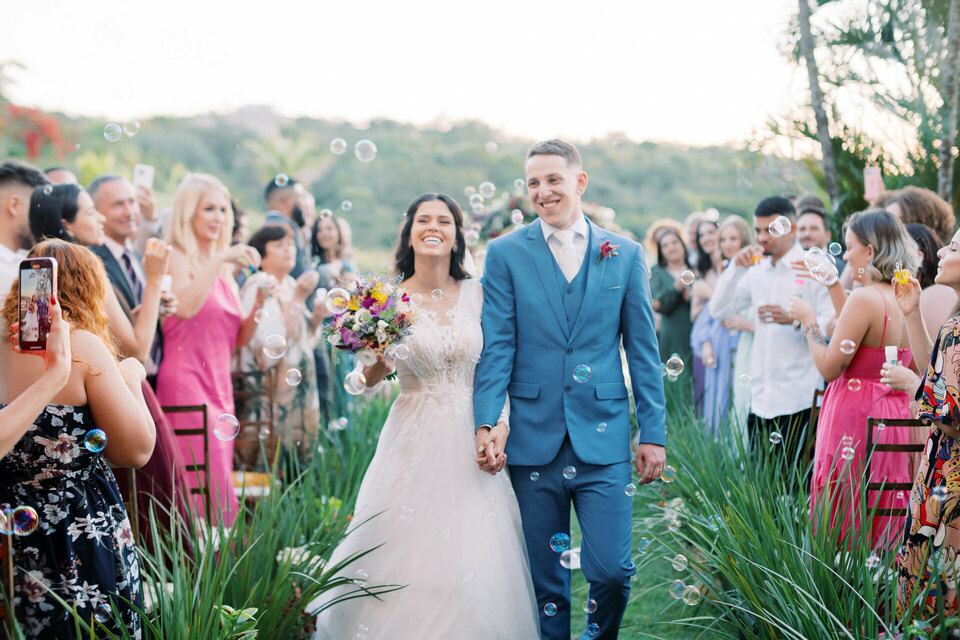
(116, 199)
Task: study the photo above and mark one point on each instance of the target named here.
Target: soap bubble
(131, 128)
(674, 365)
(365, 150)
(814, 257)
(854, 384)
(402, 352)
(112, 132)
(95, 441)
(680, 562)
(826, 274)
(676, 589)
(516, 217)
(487, 189)
(847, 347)
(259, 315)
(346, 205)
(360, 577)
(939, 493)
(630, 490)
(469, 190)
(669, 474)
(471, 237)
(569, 558)
(102, 613)
(581, 373)
(593, 629)
(780, 226)
(519, 184)
(745, 380)
(776, 437)
(24, 521)
(835, 249)
(226, 427)
(338, 146)
(355, 383)
(407, 513)
(338, 300)
(264, 433)
(714, 523)
(601, 427)
(873, 561)
(643, 546)
(293, 377)
(534, 476)
(325, 214)
(847, 453)
(437, 294)
(475, 199)
(477, 209)
(550, 609)
(339, 424)
(691, 596)
(362, 632)
(274, 346)
(569, 473)
(846, 441)
(687, 277)
(560, 542)
(281, 180)
(589, 605)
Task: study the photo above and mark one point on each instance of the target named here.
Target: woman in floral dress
(81, 548)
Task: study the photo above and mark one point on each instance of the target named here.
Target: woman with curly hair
(82, 549)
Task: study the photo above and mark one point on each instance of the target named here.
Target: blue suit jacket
(530, 352)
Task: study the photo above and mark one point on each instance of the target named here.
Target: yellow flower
(354, 303)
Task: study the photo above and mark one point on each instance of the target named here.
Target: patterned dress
(82, 548)
(927, 559)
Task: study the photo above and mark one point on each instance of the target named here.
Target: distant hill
(245, 148)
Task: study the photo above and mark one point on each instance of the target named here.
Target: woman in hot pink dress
(869, 320)
(199, 340)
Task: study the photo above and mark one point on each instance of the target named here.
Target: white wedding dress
(449, 532)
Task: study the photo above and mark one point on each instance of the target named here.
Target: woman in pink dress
(869, 320)
(199, 340)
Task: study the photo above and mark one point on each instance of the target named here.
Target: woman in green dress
(671, 297)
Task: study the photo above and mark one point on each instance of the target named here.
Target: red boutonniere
(607, 250)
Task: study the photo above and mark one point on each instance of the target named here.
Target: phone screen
(38, 283)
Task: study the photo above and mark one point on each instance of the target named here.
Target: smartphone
(872, 183)
(38, 283)
(143, 176)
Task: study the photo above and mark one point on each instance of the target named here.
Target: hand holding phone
(38, 286)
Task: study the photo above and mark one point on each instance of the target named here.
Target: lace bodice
(445, 346)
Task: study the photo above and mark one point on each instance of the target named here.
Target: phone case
(38, 284)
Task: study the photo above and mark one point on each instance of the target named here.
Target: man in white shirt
(18, 181)
(783, 375)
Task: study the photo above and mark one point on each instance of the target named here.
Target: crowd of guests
(153, 309)
(181, 308)
(767, 321)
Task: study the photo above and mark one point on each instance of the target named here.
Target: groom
(559, 296)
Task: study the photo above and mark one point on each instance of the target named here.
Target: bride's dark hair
(404, 254)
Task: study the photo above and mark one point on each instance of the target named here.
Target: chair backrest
(195, 466)
(872, 423)
(6, 569)
(811, 443)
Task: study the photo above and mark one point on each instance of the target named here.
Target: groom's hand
(651, 459)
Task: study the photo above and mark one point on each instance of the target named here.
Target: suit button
(566, 388)
(569, 289)
(569, 350)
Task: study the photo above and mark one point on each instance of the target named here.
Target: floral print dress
(928, 562)
(82, 548)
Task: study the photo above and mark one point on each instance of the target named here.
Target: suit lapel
(543, 259)
(117, 276)
(594, 276)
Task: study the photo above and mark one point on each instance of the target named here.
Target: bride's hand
(490, 445)
(376, 372)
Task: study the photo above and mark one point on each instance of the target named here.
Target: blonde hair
(890, 241)
(186, 201)
(740, 225)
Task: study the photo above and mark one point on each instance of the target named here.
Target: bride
(447, 531)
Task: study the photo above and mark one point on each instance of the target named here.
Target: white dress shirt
(9, 269)
(783, 374)
(581, 231)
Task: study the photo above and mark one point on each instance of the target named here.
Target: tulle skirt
(450, 535)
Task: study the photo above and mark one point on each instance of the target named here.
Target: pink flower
(607, 250)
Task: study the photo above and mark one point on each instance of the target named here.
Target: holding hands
(490, 446)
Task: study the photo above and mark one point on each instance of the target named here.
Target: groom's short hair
(557, 147)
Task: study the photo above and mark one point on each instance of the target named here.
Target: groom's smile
(555, 187)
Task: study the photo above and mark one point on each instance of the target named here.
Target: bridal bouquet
(370, 319)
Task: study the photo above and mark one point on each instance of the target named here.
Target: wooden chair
(812, 425)
(876, 512)
(196, 466)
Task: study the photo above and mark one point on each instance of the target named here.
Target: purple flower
(349, 338)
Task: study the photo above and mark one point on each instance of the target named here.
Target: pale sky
(690, 71)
